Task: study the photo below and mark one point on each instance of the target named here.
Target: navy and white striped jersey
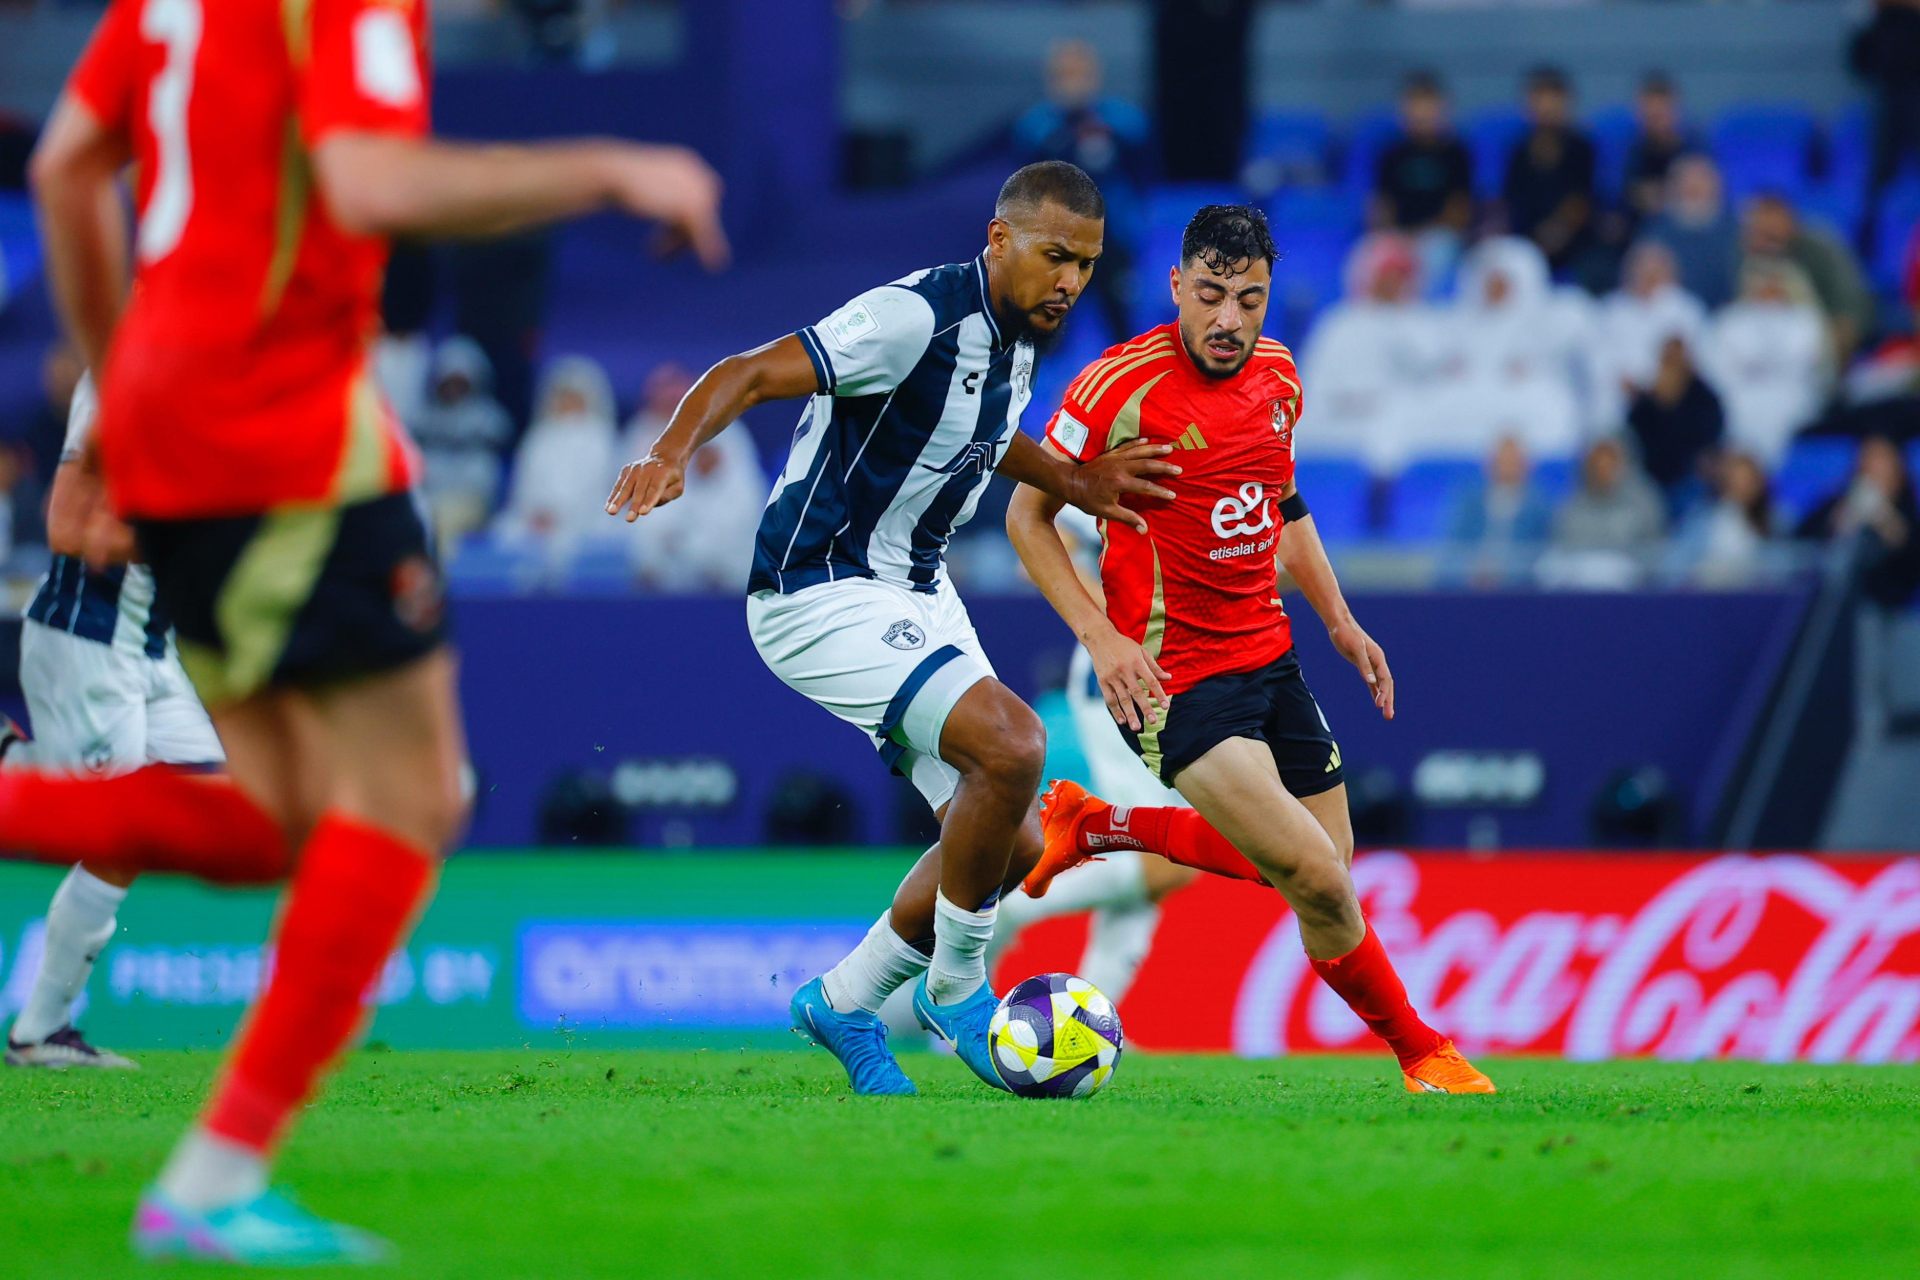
(920, 392)
(116, 606)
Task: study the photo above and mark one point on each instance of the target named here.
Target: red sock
(153, 819)
(1365, 979)
(1178, 835)
(352, 901)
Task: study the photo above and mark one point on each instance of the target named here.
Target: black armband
(1293, 508)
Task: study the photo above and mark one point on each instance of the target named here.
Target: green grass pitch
(727, 1163)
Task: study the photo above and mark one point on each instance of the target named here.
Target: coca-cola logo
(1778, 958)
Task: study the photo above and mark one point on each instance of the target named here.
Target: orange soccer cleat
(1062, 809)
(1446, 1070)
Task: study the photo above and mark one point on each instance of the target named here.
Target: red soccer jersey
(238, 379)
(1200, 588)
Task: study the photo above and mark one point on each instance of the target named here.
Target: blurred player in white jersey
(1122, 889)
(107, 694)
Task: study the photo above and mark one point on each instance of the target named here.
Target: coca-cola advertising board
(1773, 957)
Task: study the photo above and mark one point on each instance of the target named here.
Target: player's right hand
(1130, 681)
(109, 540)
(651, 482)
(676, 188)
(1120, 473)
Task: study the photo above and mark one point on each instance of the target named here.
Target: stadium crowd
(1603, 350)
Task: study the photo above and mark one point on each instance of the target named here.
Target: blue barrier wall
(1580, 685)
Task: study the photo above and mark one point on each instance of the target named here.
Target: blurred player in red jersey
(1193, 650)
(276, 148)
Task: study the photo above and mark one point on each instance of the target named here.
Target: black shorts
(1270, 704)
(299, 596)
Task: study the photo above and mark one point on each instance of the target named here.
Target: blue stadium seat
(1836, 204)
(1898, 215)
(1613, 129)
(1811, 472)
(1169, 209)
(1298, 142)
(19, 245)
(1307, 276)
(1554, 478)
(1490, 135)
(1367, 135)
(1339, 491)
(1764, 145)
(1423, 497)
(483, 567)
(1316, 208)
(1849, 147)
(599, 569)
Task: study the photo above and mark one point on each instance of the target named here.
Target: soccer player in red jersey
(275, 149)
(1193, 649)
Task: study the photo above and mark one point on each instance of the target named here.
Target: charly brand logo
(1234, 517)
(1778, 958)
(906, 635)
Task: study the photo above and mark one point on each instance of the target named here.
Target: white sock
(959, 950)
(874, 970)
(206, 1172)
(1117, 946)
(79, 923)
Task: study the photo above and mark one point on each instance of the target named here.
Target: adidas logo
(1334, 763)
(1191, 438)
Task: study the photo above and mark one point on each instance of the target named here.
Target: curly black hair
(1226, 238)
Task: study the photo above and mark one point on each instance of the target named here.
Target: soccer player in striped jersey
(913, 394)
(107, 694)
(1191, 644)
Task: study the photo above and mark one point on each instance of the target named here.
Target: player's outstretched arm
(1098, 486)
(83, 223)
(780, 370)
(1130, 680)
(381, 183)
(1304, 557)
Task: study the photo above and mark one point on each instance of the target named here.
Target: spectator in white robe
(557, 499)
(1373, 357)
(1767, 354)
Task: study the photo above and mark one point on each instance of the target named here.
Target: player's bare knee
(1320, 891)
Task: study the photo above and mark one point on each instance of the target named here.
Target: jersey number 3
(175, 25)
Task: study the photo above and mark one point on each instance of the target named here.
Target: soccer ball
(1055, 1036)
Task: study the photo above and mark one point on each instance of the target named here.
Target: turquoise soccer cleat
(858, 1039)
(269, 1230)
(963, 1026)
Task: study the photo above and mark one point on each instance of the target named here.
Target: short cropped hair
(1050, 181)
(1222, 236)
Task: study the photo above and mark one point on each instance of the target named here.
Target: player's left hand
(1357, 647)
(653, 481)
(1100, 485)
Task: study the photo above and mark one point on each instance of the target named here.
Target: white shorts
(105, 711)
(887, 660)
(1118, 776)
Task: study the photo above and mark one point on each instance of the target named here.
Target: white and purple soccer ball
(1055, 1036)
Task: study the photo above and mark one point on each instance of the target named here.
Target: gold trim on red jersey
(1108, 378)
(1126, 423)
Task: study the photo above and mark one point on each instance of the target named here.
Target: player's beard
(1203, 361)
(1044, 340)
